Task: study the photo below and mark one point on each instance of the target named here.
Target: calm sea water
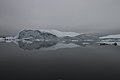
(77, 63)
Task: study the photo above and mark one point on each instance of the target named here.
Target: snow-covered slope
(60, 33)
(111, 36)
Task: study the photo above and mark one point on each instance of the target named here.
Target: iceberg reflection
(50, 45)
(30, 45)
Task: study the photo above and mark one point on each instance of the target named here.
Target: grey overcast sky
(66, 15)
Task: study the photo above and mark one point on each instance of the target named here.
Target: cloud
(66, 13)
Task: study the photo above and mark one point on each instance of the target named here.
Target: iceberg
(35, 35)
(52, 31)
(2, 39)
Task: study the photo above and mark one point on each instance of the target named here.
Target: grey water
(29, 62)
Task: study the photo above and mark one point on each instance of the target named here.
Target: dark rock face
(104, 44)
(82, 37)
(36, 34)
(49, 36)
(85, 37)
(67, 38)
(115, 44)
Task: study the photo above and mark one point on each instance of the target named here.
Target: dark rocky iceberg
(36, 34)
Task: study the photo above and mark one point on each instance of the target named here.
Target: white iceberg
(2, 39)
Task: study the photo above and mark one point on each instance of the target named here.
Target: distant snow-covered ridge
(110, 36)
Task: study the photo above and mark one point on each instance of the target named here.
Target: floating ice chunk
(2, 39)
